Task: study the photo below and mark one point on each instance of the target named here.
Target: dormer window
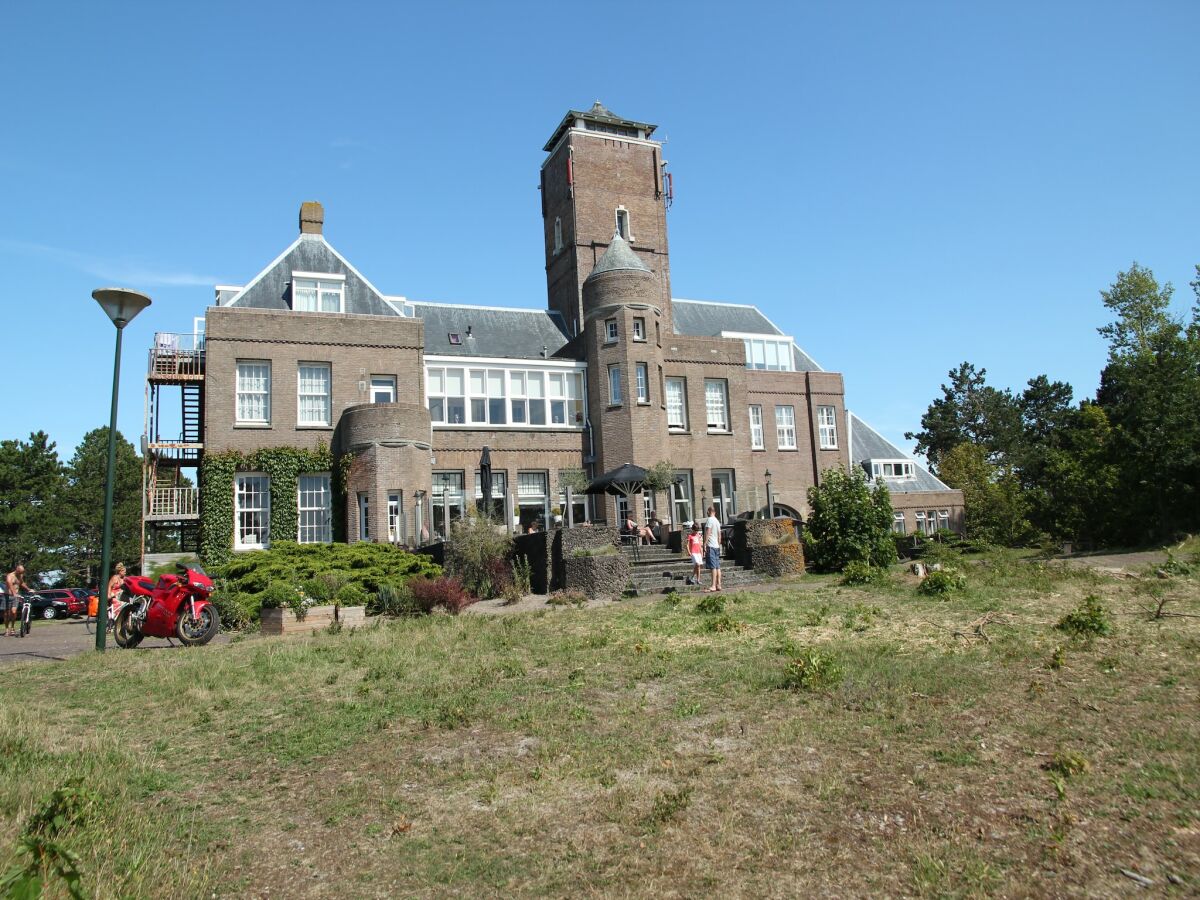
(455, 338)
(891, 468)
(558, 241)
(623, 223)
(318, 292)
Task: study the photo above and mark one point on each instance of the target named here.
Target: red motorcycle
(176, 607)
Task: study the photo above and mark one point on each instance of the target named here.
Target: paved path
(1117, 562)
(63, 638)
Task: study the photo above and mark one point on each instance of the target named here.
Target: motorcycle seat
(166, 580)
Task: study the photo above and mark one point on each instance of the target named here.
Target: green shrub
(394, 599)
(477, 554)
(1088, 619)
(522, 573)
(365, 564)
(324, 588)
(811, 670)
(941, 582)
(858, 572)
(1068, 765)
(352, 595)
(849, 521)
(711, 605)
(280, 595)
(1176, 566)
(238, 612)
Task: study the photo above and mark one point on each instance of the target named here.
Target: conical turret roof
(618, 256)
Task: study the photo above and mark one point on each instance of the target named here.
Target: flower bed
(281, 620)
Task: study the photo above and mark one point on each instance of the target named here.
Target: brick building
(309, 354)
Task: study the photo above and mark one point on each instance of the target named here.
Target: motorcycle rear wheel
(202, 630)
(126, 635)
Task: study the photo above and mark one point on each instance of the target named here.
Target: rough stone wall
(597, 576)
(537, 549)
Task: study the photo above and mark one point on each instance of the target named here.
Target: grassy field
(812, 739)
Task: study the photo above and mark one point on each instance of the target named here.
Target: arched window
(558, 244)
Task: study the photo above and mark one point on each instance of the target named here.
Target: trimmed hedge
(364, 565)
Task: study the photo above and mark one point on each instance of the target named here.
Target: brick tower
(603, 175)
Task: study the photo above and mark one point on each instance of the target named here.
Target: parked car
(57, 603)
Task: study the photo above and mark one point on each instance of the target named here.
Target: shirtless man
(14, 582)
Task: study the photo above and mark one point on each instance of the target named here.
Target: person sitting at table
(643, 533)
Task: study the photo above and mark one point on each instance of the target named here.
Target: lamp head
(120, 304)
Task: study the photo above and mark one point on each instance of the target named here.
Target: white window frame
(262, 512)
(677, 411)
(785, 426)
(756, 428)
(827, 427)
(515, 397)
(716, 416)
(319, 531)
(364, 516)
(614, 386)
(623, 224)
(643, 383)
(325, 286)
(242, 393)
(395, 516)
(380, 384)
(325, 411)
(766, 352)
(899, 526)
(611, 331)
(892, 468)
(639, 328)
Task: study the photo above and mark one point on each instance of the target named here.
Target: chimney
(312, 217)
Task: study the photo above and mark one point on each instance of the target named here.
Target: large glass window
(254, 391)
(499, 397)
(447, 499)
(768, 353)
(314, 508)
(681, 496)
(313, 380)
(643, 383)
(317, 294)
(716, 404)
(252, 506)
(499, 492)
(677, 403)
(785, 427)
(533, 497)
(756, 428)
(827, 427)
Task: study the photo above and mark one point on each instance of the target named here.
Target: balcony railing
(177, 355)
(174, 503)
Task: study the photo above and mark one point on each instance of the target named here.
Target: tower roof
(599, 118)
(618, 256)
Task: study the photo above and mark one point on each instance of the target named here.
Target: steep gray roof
(618, 256)
(271, 288)
(512, 333)
(866, 443)
(703, 319)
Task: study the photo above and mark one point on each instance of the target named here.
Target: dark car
(57, 603)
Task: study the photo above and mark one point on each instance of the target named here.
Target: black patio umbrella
(620, 482)
(484, 503)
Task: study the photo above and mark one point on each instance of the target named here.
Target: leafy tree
(849, 521)
(1150, 392)
(968, 412)
(31, 480)
(995, 505)
(83, 506)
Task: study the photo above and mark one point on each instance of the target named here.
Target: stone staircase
(657, 570)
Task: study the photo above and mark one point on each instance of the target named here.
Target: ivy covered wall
(283, 465)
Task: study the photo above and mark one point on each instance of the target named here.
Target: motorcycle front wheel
(125, 633)
(199, 631)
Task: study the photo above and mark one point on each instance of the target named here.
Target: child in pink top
(695, 549)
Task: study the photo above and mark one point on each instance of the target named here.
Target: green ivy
(283, 465)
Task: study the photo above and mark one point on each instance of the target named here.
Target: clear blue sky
(901, 186)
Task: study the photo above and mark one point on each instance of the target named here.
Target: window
(639, 329)
(716, 404)
(614, 385)
(892, 469)
(648, 510)
(643, 383)
(446, 389)
(785, 427)
(610, 331)
(558, 241)
(533, 498)
(677, 404)
(501, 397)
(943, 520)
(535, 384)
(756, 428)
(558, 398)
(313, 382)
(364, 516)
(314, 506)
(395, 517)
(623, 223)
(383, 388)
(681, 496)
(446, 500)
(898, 526)
(827, 427)
(254, 391)
(499, 492)
(252, 502)
(772, 354)
(318, 293)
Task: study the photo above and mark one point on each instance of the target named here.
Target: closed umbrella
(484, 503)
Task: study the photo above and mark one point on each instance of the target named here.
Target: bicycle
(23, 615)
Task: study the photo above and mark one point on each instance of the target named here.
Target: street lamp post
(770, 497)
(120, 305)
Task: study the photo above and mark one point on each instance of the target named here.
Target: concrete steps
(660, 571)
